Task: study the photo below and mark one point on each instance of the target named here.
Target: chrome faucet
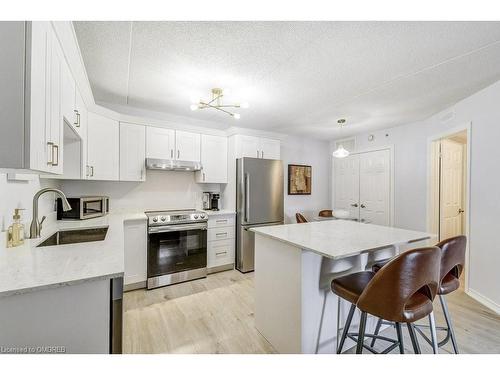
(36, 226)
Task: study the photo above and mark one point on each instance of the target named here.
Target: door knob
(354, 204)
(362, 205)
(460, 210)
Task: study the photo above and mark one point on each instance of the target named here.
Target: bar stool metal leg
(400, 338)
(432, 324)
(375, 333)
(449, 323)
(338, 322)
(361, 335)
(346, 328)
(413, 338)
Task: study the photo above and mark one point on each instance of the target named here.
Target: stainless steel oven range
(177, 246)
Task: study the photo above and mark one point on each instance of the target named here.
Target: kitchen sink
(75, 236)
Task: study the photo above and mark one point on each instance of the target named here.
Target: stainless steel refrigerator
(259, 202)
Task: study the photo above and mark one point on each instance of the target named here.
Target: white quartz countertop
(27, 268)
(340, 238)
(220, 212)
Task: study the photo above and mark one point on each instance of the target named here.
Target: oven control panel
(175, 217)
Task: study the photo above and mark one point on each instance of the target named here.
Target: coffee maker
(211, 201)
(214, 202)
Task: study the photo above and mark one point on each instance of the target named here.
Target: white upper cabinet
(29, 86)
(170, 144)
(247, 146)
(188, 146)
(160, 143)
(213, 160)
(103, 148)
(132, 152)
(54, 128)
(68, 95)
(270, 148)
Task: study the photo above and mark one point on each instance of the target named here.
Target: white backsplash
(19, 194)
(161, 190)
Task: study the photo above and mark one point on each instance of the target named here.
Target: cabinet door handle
(55, 163)
(77, 122)
(178, 154)
(221, 221)
(221, 234)
(362, 205)
(51, 153)
(262, 152)
(257, 153)
(171, 154)
(91, 171)
(354, 204)
(203, 176)
(221, 253)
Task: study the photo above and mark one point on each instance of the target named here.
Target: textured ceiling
(299, 77)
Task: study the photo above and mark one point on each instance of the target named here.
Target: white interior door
(347, 185)
(451, 189)
(375, 187)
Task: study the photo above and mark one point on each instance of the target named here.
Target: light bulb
(236, 116)
(244, 105)
(340, 152)
(193, 107)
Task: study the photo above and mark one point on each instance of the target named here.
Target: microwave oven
(83, 208)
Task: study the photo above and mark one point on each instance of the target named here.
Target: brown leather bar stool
(300, 218)
(326, 213)
(401, 292)
(452, 265)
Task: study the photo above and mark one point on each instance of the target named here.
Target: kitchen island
(294, 265)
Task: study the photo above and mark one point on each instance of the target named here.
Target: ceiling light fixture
(340, 152)
(216, 103)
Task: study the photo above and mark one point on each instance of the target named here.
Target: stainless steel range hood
(173, 165)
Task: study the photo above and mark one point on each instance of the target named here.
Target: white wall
(19, 194)
(410, 146)
(161, 190)
(295, 150)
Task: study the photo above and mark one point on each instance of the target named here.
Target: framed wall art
(299, 179)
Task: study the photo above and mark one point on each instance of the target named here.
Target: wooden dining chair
(300, 218)
(326, 213)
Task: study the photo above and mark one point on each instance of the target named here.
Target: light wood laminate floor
(215, 315)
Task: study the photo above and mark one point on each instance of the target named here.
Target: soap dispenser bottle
(15, 233)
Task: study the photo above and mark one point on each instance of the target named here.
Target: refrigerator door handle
(247, 197)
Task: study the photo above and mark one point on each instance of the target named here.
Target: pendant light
(340, 152)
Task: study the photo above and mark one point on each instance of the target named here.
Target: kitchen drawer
(222, 233)
(215, 221)
(220, 253)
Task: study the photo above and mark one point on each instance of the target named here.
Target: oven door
(176, 249)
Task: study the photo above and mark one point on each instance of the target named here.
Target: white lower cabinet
(220, 253)
(220, 242)
(135, 254)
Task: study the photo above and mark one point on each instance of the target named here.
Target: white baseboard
(484, 300)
